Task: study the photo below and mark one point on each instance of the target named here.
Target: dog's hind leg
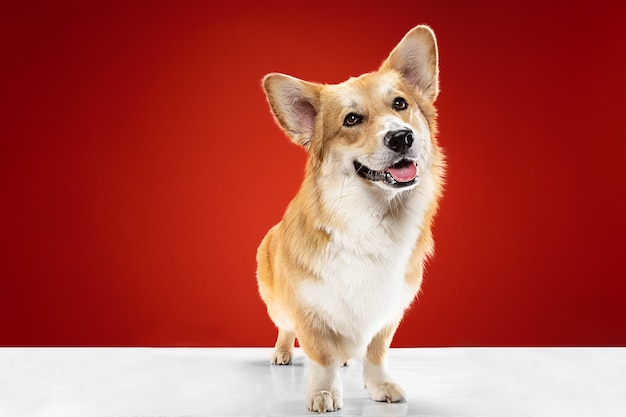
(283, 352)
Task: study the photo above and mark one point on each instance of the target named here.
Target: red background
(140, 167)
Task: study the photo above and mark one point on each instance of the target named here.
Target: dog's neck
(353, 202)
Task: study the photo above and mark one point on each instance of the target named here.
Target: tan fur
(296, 253)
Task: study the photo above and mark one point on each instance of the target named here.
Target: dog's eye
(352, 119)
(399, 103)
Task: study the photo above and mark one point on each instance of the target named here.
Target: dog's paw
(323, 401)
(387, 392)
(282, 357)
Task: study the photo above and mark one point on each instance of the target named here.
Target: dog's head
(379, 127)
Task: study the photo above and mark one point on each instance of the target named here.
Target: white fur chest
(362, 286)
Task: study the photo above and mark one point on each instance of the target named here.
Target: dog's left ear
(416, 59)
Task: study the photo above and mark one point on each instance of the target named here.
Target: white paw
(281, 357)
(387, 392)
(323, 401)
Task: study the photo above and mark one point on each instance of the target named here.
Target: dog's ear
(294, 104)
(416, 58)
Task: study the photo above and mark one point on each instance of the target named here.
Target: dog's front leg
(376, 376)
(325, 392)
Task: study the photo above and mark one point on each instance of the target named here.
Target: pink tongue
(403, 172)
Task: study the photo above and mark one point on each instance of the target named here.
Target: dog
(345, 262)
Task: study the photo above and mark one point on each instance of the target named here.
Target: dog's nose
(399, 140)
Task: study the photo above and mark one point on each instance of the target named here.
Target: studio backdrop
(140, 167)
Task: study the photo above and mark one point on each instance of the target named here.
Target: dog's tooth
(388, 178)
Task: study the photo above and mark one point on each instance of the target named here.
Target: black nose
(399, 140)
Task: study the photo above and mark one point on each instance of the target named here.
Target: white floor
(232, 382)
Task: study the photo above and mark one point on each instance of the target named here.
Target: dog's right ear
(294, 104)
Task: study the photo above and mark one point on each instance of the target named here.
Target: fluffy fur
(347, 258)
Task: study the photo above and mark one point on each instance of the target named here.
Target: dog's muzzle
(401, 174)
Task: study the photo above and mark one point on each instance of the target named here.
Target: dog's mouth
(401, 174)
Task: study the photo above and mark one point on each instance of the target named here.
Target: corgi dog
(346, 261)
